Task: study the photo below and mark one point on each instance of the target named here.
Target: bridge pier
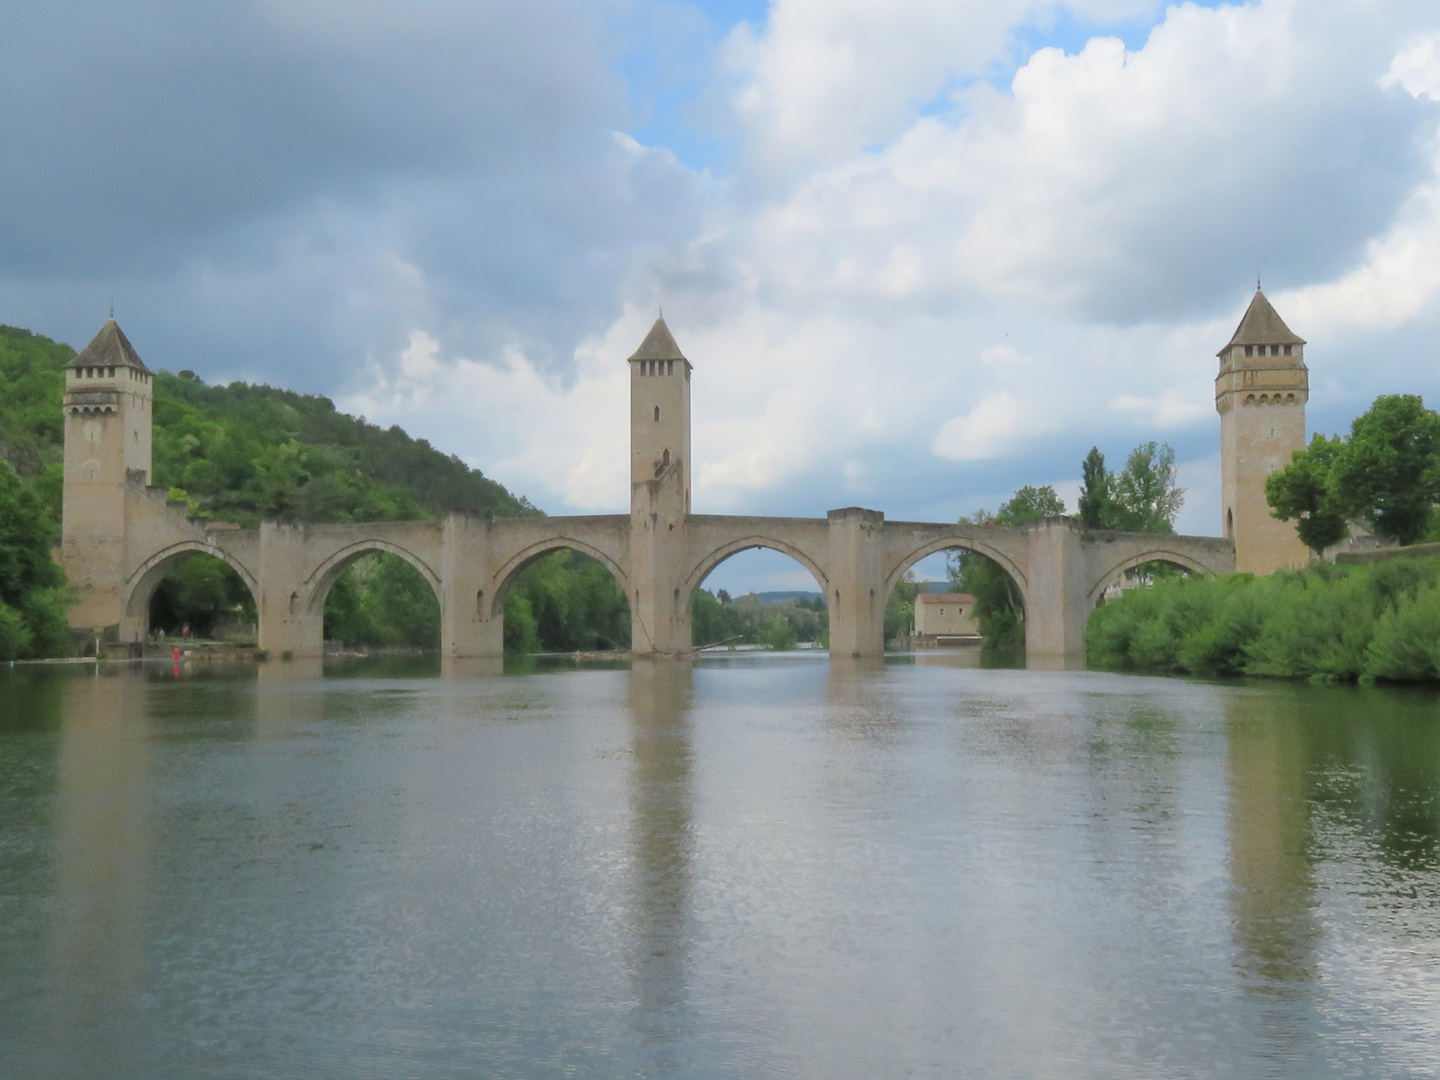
(470, 625)
(287, 625)
(1056, 606)
(857, 583)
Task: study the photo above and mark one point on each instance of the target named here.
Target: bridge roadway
(855, 556)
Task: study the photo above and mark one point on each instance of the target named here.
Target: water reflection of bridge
(121, 537)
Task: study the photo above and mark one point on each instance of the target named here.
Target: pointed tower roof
(659, 344)
(1262, 325)
(109, 348)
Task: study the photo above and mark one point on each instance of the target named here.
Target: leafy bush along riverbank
(1344, 623)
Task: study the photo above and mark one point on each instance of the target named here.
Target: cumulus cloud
(1175, 407)
(946, 262)
(1090, 214)
(986, 431)
(1416, 67)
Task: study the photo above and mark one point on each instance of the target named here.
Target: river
(748, 866)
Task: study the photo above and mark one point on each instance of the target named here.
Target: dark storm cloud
(132, 127)
(286, 169)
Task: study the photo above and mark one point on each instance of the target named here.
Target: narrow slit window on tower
(665, 457)
(1249, 350)
(669, 367)
(657, 413)
(1287, 350)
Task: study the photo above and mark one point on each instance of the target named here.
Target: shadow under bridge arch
(144, 581)
(318, 585)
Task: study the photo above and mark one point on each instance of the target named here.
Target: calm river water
(746, 867)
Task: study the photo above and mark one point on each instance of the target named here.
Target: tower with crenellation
(109, 394)
(659, 492)
(1260, 394)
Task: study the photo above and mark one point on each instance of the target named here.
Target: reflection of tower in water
(102, 846)
(1268, 818)
(661, 843)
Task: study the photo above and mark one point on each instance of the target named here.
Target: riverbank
(1347, 623)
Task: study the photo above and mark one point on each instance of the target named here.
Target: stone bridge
(855, 556)
(122, 537)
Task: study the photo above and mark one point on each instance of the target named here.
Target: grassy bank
(1342, 623)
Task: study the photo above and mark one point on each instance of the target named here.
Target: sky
(920, 252)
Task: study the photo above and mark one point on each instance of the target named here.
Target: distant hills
(784, 597)
(241, 453)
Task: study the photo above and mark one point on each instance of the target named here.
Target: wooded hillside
(241, 452)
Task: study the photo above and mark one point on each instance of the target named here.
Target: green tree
(999, 608)
(713, 619)
(345, 622)
(1305, 490)
(401, 604)
(1389, 471)
(1146, 497)
(573, 602)
(778, 633)
(900, 608)
(383, 601)
(201, 592)
(32, 587)
(521, 632)
(716, 619)
(1096, 494)
(1030, 504)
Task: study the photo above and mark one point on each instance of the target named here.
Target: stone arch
(520, 560)
(317, 586)
(969, 543)
(1113, 575)
(143, 582)
(703, 569)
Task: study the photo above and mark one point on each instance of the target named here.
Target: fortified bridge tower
(121, 536)
(1260, 394)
